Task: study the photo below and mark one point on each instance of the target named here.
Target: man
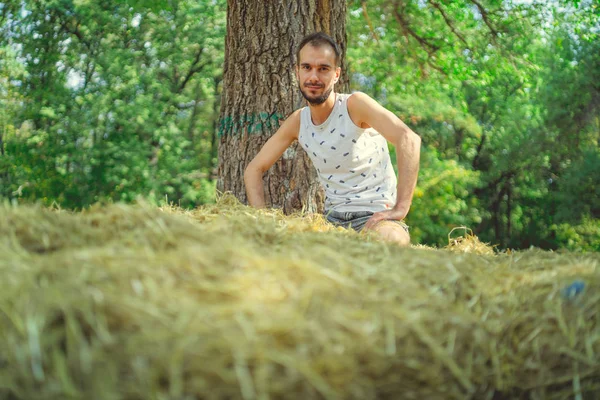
(345, 137)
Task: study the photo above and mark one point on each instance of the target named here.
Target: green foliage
(443, 199)
(443, 127)
(579, 194)
(120, 101)
(581, 237)
(519, 116)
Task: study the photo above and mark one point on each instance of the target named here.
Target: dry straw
(469, 243)
(226, 302)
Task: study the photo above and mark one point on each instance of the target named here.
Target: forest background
(109, 101)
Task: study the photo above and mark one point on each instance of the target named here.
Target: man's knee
(391, 231)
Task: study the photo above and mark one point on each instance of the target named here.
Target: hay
(469, 243)
(226, 302)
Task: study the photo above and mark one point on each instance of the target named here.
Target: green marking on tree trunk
(252, 123)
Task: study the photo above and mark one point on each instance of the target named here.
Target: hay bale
(227, 302)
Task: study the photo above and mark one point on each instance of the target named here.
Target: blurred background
(109, 101)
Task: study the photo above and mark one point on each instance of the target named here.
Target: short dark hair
(319, 39)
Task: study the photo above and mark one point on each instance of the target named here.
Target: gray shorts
(355, 220)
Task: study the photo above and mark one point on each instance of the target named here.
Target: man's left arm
(366, 112)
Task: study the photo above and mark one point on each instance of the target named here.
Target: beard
(315, 101)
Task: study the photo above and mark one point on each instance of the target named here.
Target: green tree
(120, 100)
(467, 76)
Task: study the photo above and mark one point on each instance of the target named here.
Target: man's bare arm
(366, 112)
(267, 156)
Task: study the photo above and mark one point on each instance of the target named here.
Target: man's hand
(395, 215)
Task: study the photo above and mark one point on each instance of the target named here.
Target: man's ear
(338, 73)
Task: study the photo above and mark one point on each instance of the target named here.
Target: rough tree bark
(260, 90)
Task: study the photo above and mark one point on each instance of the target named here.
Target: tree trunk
(213, 137)
(260, 90)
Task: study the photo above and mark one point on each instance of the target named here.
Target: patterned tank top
(353, 163)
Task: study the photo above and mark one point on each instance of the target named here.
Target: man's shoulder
(358, 97)
(358, 105)
(296, 115)
(291, 125)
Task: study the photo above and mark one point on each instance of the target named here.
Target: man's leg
(391, 231)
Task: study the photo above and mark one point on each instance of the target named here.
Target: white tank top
(353, 163)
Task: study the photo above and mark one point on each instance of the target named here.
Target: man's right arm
(267, 156)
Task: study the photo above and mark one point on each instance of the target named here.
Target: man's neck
(321, 112)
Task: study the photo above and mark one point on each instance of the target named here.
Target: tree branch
(194, 68)
(449, 23)
(429, 47)
(75, 32)
(484, 15)
(366, 15)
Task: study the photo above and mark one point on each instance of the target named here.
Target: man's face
(317, 73)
